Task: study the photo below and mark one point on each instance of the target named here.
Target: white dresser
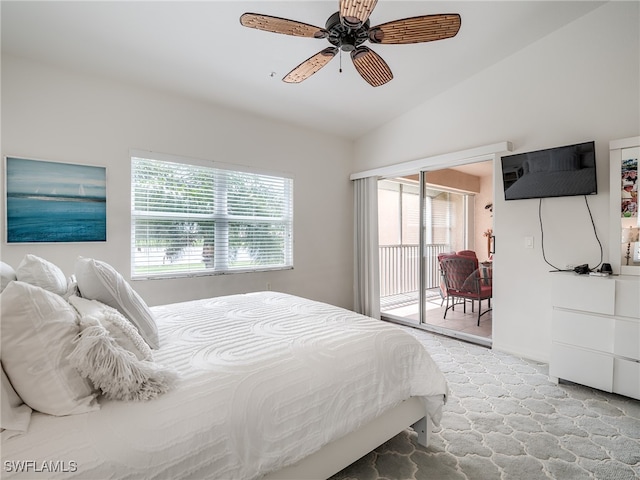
(596, 332)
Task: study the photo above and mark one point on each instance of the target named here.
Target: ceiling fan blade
(281, 25)
(426, 28)
(371, 66)
(310, 65)
(354, 13)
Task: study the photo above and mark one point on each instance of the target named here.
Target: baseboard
(535, 355)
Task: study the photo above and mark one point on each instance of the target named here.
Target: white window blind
(442, 217)
(191, 219)
(447, 222)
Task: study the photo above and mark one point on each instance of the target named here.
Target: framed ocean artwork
(48, 202)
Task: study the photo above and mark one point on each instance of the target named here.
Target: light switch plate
(528, 242)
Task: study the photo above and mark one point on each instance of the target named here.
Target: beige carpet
(506, 420)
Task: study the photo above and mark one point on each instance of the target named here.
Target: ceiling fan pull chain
(340, 61)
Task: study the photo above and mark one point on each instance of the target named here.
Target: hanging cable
(555, 269)
(593, 224)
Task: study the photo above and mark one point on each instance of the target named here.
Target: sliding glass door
(402, 244)
(420, 217)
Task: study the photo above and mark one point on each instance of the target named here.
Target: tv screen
(553, 172)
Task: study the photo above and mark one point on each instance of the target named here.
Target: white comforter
(265, 379)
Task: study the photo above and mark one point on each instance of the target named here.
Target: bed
(267, 385)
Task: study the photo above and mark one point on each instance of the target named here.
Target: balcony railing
(400, 267)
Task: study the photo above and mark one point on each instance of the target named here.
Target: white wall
(578, 84)
(55, 115)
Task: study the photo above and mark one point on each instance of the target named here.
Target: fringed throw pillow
(118, 326)
(117, 372)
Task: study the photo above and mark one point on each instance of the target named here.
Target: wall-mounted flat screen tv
(553, 172)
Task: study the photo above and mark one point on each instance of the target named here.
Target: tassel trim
(115, 371)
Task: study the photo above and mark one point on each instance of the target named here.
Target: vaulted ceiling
(199, 49)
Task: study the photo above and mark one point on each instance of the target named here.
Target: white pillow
(38, 330)
(120, 329)
(100, 281)
(7, 274)
(16, 416)
(42, 273)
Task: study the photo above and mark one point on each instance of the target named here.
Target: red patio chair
(464, 281)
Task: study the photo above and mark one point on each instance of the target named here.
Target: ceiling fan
(348, 29)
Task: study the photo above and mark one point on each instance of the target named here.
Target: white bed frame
(337, 455)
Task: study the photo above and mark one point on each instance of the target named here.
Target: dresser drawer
(584, 293)
(583, 330)
(627, 339)
(626, 378)
(582, 366)
(627, 301)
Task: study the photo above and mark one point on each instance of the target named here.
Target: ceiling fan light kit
(348, 29)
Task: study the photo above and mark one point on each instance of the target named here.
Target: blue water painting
(55, 202)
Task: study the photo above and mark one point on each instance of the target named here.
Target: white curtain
(366, 263)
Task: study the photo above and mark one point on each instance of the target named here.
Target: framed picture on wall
(48, 202)
(629, 183)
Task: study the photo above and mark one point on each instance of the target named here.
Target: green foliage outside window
(202, 218)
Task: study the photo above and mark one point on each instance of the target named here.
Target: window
(192, 219)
